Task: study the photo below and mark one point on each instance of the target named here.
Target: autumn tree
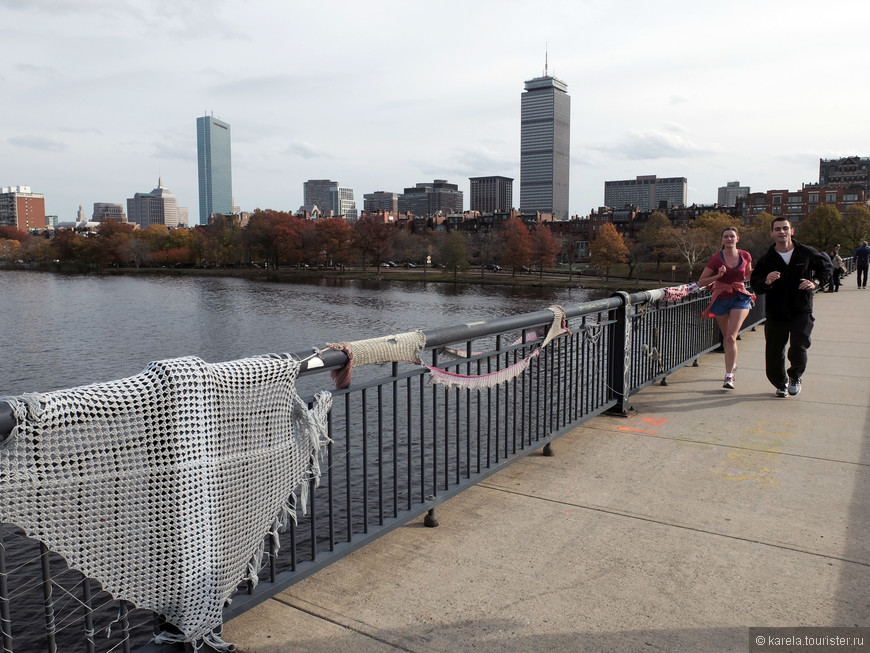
(544, 248)
(223, 240)
(334, 240)
(715, 222)
(607, 249)
(372, 237)
(517, 249)
(652, 242)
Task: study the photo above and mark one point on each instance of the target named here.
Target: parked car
(492, 267)
(410, 265)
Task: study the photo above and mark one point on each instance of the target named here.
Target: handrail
(332, 359)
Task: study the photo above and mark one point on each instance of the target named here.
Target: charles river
(61, 331)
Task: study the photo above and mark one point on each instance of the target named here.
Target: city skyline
(714, 94)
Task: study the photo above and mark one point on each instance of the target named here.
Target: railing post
(620, 356)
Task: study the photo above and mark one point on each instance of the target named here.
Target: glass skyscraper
(545, 143)
(215, 167)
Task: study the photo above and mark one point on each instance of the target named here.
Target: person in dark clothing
(787, 275)
(862, 262)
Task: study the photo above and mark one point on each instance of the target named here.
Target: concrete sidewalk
(708, 512)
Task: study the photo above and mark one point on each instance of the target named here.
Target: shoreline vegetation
(552, 278)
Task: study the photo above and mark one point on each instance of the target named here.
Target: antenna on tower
(546, 57)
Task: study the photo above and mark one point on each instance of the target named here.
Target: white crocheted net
(162, 486)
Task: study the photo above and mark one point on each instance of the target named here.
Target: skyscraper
(318, 192)
(491, 194)
(157, 207)
(215, 167)
(545, 142)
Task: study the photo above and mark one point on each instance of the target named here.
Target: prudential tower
(545, 146)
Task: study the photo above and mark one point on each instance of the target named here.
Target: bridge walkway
(704, 514)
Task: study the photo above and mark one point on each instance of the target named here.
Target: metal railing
(400, 447)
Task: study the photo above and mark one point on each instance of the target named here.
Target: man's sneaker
(729, 381)
(794, 386)
(781, 392)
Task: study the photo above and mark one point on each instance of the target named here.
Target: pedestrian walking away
(726, 273)
(862, 262)
(788, 274)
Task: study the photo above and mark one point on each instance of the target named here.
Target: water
(63, 331)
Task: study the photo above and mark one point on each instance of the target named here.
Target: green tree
(856, 227)
(607, 249)
(823, 228)
(453, 254)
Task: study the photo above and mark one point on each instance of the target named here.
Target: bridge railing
(400, 446)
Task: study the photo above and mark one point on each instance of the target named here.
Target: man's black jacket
(783, 298)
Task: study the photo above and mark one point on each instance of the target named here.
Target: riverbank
(556, 278)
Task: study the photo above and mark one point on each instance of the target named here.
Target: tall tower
(215, 167)
(545, 141)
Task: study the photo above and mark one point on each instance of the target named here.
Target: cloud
(306, 151)
(477, 162)
(653, 144)
(37, 143)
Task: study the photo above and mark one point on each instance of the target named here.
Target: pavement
(708, 512)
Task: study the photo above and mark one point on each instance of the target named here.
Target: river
(61, 331)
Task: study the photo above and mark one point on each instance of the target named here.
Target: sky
(100, 97)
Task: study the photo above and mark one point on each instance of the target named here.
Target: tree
(856, 226)
(692, 245)
(823, 228)
(517, 244)
(608, 249)
(715, 222)
(334, 239)
(652, 241)
(544, 248)
(453, 253)
(372, 238)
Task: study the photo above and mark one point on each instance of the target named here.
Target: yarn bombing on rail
(408, 347)
(163, 486)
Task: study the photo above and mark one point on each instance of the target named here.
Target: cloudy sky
(100, 97)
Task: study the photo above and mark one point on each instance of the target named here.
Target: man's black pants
(795, 333)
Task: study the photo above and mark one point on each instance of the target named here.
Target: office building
(545, 134)
(731, 192)
(108, 211)
(381, 201)
(491, 194)
(21, 208)
(157, 207)
(341, 203)
(850, 171)
(319, 193)
(647, 192)
(215, 168)
(431, 198)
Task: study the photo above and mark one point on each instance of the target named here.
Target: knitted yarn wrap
(402, 347)
(162, 486)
